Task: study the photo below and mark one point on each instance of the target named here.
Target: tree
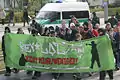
(37, 4)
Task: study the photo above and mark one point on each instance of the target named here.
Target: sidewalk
(13, 28)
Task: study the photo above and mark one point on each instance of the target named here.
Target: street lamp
(105, 4)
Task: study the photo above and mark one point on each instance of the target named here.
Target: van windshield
(48, 15)
(77, 14)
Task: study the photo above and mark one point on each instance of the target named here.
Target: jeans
(118, 59)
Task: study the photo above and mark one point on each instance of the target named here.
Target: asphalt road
(48, 76)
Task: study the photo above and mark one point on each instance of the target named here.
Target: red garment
(95, 33)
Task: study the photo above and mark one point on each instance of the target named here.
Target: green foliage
(18, 16)
(36, 4)
(111, 11)
(96, 10)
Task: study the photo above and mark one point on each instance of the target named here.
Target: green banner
(45, 22)
(50, 54)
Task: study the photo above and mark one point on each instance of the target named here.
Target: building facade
(9, 3)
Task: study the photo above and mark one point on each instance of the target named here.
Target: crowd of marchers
(75, 32)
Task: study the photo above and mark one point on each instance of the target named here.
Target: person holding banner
(37, 74)
(8, 70)
(20, 31)
(77, 76)
(113, 21)
(55, 75)
(102, 32)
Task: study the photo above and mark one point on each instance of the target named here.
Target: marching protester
(55, 75)
(97, 26)
(25, 16)
(46, 32)
(68, 34)
(2, 15)
(102, 32)
(78, 37)
(20, 31)
(117, 47)
(36, 74)
(11, 17)
(113, 21)
(118, 25)
(95, 19)
(73, 32)
(8, 70)
(117, 16)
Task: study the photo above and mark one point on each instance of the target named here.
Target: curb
(2, 71)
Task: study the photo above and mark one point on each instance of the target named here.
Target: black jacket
(3, 45)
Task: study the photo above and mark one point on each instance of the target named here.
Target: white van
(52, 14)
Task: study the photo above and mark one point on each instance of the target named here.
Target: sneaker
(116, 69)
(75, 77)
(53, 79)
(29, 72)
(15, 71)
(90, 74)
(34, 77)
(7, 74)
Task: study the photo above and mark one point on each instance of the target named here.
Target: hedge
(18, 16)
(111, 11)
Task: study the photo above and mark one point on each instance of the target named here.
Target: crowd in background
(77, 32)
(10, 17)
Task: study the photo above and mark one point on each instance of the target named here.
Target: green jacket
(95, 21)
(117, 17)
(113, 21)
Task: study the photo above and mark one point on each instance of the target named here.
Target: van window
(48, 15)
(77, 14)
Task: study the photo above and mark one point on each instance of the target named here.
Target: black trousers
(3, 22)
(24, 21)
(103, 74)
(38, 74)
(8, 70)
(11, 21)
